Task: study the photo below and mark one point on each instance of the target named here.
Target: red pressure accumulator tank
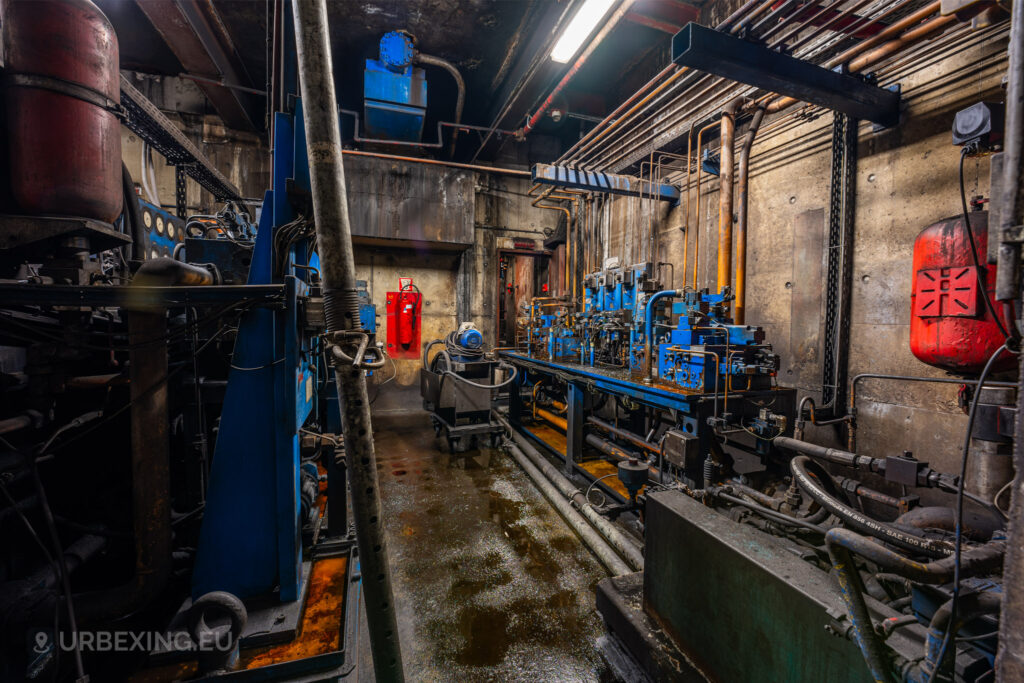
(950, 325)
(64, 151)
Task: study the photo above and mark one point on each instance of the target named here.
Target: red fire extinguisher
(408, 304)
(404, 312)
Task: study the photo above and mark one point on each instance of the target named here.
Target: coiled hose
(450, 342)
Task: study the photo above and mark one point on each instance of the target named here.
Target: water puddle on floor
(489, 581)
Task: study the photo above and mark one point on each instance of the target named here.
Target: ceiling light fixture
(581, 26)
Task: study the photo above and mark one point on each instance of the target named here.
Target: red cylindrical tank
(64, 152)
(950, 325)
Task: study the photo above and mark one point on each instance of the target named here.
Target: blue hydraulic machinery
(394, 91)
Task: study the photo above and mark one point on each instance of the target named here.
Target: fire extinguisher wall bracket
(404, 309)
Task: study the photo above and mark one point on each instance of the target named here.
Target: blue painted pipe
(649, 328)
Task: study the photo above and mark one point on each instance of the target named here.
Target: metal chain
(839, 258)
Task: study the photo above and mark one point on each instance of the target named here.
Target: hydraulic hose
(842, 543)
(859, 521)
(448, 363)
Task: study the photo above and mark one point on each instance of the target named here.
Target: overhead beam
(593, 181)
(190, 33)
(651, 22)
(719, 53)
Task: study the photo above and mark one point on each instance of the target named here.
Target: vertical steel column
(574, 420)
(1012, 201)
(341, 304)
(1010, 657)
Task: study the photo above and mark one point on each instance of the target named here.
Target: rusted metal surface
(188, 28)
(320, 631)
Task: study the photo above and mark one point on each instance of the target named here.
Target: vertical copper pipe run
(725, 175)
(742, 181)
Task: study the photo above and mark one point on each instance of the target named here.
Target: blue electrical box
(394, 92)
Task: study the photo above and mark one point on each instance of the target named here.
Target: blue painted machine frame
(250, 540)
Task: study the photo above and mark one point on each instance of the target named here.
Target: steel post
(341, 304)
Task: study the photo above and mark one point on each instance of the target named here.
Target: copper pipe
(612, 117)
(914, 35)
(743, 177)
(435, 162)
(626, 116)
(725, 175)
(907, 23)
(686, 210)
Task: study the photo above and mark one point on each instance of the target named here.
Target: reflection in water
(490, 583)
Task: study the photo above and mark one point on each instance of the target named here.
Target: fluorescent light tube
(581, 26)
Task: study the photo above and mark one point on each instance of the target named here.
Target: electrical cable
(958, 536)
(974, 250)
(65, 576)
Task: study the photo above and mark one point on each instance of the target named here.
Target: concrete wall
(906, 179)
(243, 157)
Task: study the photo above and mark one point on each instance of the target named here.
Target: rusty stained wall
(398, 200)
(906, 179)
(457, 285)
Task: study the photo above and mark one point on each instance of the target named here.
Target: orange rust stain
(600, 468)
(320, 630)
(549, 435)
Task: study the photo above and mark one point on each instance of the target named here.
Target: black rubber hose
(132, 215)
(859, 521)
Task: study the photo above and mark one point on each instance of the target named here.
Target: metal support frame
(740, 60)
(150, 124)
(598, 181)
(180, 192)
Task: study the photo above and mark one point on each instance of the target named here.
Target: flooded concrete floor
(490, 582)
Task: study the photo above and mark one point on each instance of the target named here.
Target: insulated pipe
(1012, 202)
(725, 175)
(616, 538)
(614, 451)
(590, 538)
(435, 162)
(532, 122)
(459, 83)
(166, 272)
(649, 330)
(742, 179)
(552, 418)
(341, 308)
(13, 424)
